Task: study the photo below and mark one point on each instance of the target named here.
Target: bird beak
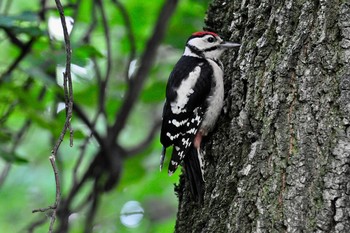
(225, 44)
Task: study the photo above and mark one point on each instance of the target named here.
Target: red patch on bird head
(203, 33)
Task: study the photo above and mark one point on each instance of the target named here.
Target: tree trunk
(279, 159)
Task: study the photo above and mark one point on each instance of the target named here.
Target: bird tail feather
(193, 170)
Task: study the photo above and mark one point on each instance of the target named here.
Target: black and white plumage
(194, 99)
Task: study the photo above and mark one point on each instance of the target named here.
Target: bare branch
(68, 87)
(93, 209)
(14, 40)
(82, 151)
(42, 12)
(24, 52)
(86, 37)
(82, 116)
(147, 59)
(68, 95)
(36, 224)
(17, 140)
(130, 33)
(19, 135)
(145, 143)
(44, 209)
(58, 191)
(58, 195)
(104, 83)
(8, 112)
(5, 171)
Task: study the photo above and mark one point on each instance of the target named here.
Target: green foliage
(30, 93)
(22, 23)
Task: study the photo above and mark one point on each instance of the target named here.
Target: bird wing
(188, 88)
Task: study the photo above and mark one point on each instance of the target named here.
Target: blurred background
(32, 113)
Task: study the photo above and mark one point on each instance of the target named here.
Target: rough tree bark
(279, 159)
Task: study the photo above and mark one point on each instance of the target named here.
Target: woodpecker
(194, 99)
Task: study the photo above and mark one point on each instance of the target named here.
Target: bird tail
(193, 164)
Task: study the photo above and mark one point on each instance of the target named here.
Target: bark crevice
(279, 158)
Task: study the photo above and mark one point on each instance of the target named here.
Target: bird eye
(211, 39)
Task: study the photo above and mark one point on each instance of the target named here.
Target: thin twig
(104, 83)
(35, 224)
(83, 117)
(8, 112)
(68, 87)
(93, 209)
(68, 94)
(83, 150)
(24, 52)
(108, 144)
(86, 36)
(5, 171)
(145, 143)
(19, 135)
(44, 209)
(42, 12)
(58, 192)
(14, 40)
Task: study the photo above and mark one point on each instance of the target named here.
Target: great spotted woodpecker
(194, 99)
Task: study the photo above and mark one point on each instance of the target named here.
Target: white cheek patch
(184, 91)
(201, 43)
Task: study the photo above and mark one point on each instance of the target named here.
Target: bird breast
(215, 100)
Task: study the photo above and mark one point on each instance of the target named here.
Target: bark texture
(279, 159)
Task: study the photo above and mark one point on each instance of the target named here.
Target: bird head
(207, 44)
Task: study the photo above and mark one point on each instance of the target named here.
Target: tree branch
(24, 52)
(68, 95)
(82, 116)
(145, 143)
(5, 171)
(104, 83)
(14, 40)
(147, 59)
(58, 191)
(130, 34)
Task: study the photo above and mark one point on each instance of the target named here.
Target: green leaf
(82, 52)
(79, 134)
(154, 92)
(26, 22)
(28, 16)
(12, 157)
(7, 22)
(30, 30)
(88, 51)
(5, 135)
(14, 20)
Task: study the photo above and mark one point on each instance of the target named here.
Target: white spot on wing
(172, 137)
(186, 142)
(174, 163)
(192, 131)
(178, 123)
